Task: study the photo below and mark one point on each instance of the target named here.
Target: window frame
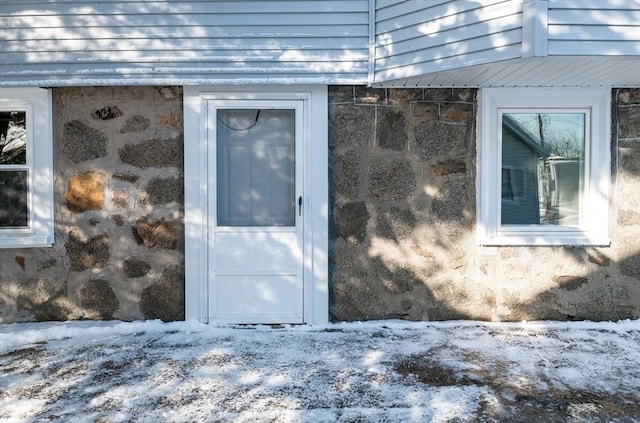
(593, 228)
(37, 104)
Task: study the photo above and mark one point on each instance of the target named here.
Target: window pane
(256, 167)
(542, 168)
(13, 199)
(13, 138)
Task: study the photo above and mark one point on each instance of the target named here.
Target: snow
(384, 371)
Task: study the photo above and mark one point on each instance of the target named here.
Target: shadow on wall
(402, 192)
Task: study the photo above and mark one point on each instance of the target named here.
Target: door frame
(315, 187)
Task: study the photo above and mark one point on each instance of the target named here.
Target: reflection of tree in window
(13, 138)
(13, 170)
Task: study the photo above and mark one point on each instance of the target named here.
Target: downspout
(372, 42)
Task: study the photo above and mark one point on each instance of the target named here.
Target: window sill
(26, 242)
(541, 240)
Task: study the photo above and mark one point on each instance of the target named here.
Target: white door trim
(316, 295)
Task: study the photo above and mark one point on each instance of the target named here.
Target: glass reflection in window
(542, 174)
(14, 185)
(13, 138)
(13, 199)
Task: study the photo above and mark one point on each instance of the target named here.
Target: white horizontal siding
(61, 42)
(415, 37)
(594, 27)
(493, 43)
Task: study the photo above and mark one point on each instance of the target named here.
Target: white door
(255, 252)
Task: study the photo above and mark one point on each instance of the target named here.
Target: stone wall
(402, 177)
(119, 242)
(402, 223)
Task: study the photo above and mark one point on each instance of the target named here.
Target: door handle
(300, 206)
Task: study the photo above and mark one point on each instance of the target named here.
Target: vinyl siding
(594, 27)
(414, 37)
(68, 42)
(494, 43)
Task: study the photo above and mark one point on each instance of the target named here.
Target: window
(544, 166)
(255, 165)
(26, 183)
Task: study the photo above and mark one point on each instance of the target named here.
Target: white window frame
(36, 102)
(594, 218)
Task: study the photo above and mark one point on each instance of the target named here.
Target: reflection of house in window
(520, 153)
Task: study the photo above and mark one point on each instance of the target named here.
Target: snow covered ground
(387, 371)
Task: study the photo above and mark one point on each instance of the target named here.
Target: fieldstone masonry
(119, 237)
(402, 216)
(98, 299)
(402, 178)
(82, 143)
(85, 192)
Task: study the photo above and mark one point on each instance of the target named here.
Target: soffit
(549, 71)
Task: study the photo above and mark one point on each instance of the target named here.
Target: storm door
(255, 252)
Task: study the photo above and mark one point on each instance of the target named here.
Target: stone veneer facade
(403, 192)
(118, 193)
(402, 224)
